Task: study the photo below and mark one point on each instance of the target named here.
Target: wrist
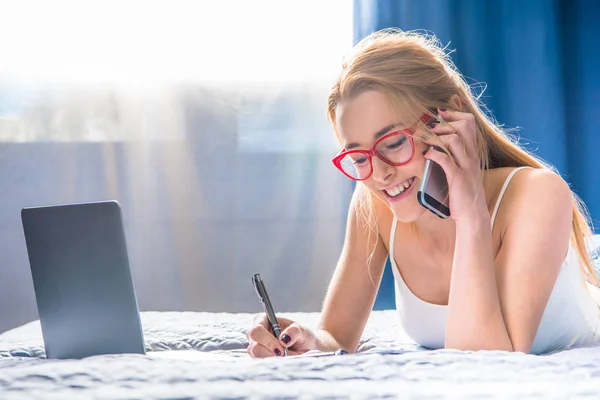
(324, 341)
(476, 219)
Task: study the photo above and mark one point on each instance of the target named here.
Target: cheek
(375, 190)
(370, 184)
(418, 161)
(373, 187)
(420, 149)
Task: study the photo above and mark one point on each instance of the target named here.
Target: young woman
(508, 270)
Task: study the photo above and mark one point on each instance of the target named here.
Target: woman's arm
(475, 320)
(353, 288)
(497, 304)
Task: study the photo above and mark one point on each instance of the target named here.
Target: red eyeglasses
(396, 148)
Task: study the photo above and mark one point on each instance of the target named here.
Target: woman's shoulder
(523, 180)
(528, 189)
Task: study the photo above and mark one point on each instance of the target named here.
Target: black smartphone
(433, 190)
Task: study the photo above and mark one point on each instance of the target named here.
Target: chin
(405, 210)
(407, 213)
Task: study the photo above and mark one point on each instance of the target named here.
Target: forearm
(475, 320)
(326, 341)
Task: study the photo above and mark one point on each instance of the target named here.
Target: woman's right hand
(296, 338)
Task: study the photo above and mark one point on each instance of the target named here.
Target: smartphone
(433, 190)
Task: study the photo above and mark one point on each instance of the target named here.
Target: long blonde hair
(417, 75)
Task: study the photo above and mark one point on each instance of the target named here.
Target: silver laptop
(82, 279)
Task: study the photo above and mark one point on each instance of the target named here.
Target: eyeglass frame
(409, 132)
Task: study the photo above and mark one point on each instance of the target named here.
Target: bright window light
(128, 70)
(140, 43)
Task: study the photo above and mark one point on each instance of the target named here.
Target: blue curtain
(540, 62)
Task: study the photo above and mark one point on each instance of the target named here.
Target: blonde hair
(416, 75)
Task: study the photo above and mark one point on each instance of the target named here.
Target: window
(123, 71)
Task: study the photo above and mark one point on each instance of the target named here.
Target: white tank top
(571, 317)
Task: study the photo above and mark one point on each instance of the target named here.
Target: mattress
(202, 355)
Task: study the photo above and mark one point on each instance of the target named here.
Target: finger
(465, 125)
(453, 115)
(261, 336)
(443, 128)
(259, 351)
(262, 320)
(457, 148)
(469, 144)
(284, 322)
(468, 133)
(294, 335)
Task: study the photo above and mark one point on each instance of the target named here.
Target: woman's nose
(381, 170)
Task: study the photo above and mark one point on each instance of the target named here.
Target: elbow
(351, 346)
(479, 337)
(466, 344)
(328, 341)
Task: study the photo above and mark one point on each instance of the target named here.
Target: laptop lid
(82, 280)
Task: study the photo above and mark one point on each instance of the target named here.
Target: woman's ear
(455, 103)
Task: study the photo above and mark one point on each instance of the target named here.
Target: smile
(400, 190)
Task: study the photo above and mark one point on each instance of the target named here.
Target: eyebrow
(377, 135)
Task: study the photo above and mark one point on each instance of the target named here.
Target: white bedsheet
(410, 372)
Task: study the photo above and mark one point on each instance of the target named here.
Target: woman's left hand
(466, 194)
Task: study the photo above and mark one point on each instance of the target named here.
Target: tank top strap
(506, 182)
(393, 237)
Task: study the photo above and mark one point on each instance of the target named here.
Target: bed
(202, 355)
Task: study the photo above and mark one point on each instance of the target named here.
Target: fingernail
(277, 352)
(285, 339)
(431, 125)
(442, 109)
(433, 147)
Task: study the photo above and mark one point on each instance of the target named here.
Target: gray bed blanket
(202, 355)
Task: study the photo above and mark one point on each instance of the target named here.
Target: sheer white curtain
(206, 120)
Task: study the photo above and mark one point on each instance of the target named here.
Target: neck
(436, 234)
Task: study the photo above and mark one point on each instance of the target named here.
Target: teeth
(395, 191)
(398, 189)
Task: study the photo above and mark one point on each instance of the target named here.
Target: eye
(359, 160)
(396, 143)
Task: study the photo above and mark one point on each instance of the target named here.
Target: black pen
(261, 291)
